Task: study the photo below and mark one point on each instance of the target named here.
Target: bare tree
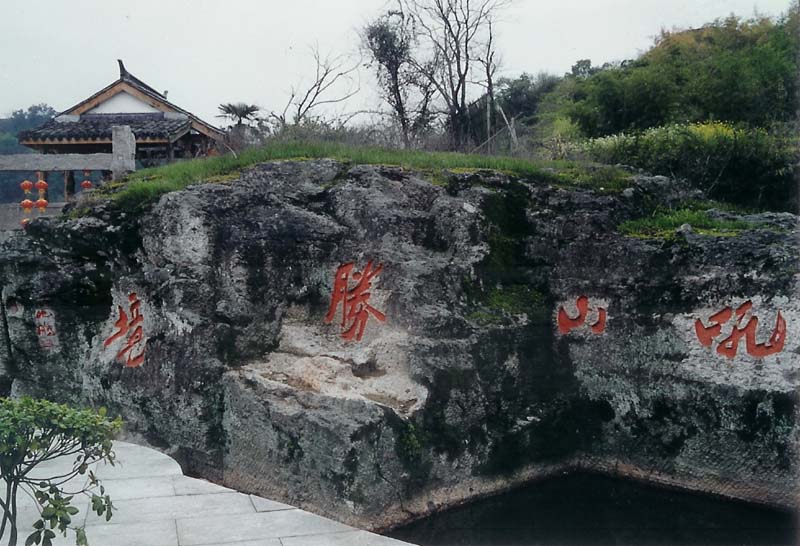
(330, 73)
(389, 41)
(453, 33)
(490, 65)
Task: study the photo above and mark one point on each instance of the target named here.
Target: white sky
(206, 52)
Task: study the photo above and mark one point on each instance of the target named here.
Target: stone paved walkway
(156, 505)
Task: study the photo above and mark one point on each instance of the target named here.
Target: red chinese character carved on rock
(134, 338)
(566, 324)
(729, 346)
(354, 301)
(46, 332)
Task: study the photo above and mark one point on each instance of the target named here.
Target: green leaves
(102, 505)
(748, 166)
(34, 431)
(42, 536)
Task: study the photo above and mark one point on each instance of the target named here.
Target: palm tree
(238, 111)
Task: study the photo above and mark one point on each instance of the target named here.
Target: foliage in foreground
(33, 432)
(747, 166)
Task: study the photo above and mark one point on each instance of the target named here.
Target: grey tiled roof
(98, 127)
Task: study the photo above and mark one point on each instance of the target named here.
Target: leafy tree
(21, 120)
(239, 112)
(389, 41)
(740, 71)
(583, 68)
(33, 432)
(520, 97)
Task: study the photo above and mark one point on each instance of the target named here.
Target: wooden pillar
(69, 185)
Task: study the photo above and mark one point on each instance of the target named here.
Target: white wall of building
(123, 103)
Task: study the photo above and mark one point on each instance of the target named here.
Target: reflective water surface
(589, 509)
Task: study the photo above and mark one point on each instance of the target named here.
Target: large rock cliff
(372, 346)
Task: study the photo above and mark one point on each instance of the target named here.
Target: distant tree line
(19, 120)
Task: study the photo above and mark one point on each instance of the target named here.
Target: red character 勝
(356, 309)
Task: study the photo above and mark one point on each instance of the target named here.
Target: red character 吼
(355, 301)
(729, 346)
(566, 324)
(134, 338)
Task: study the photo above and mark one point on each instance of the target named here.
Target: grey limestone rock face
(513, 333)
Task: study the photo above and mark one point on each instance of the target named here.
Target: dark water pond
(588, 509)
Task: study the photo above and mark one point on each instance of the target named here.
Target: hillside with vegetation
(715, 105)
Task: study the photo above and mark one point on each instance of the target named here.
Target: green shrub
(751, 167)
(733, 69)
(33, 432)
(663, 224)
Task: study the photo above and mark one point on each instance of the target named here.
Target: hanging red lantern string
(41, 204)
(26, 186)
(41, 185)
(86, 184)
(27, 205)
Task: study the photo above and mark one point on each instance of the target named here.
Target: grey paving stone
(162, 508)
(281, 523)
(138, 488)
(28, 513)
(352, 538)
(151, 533)
(263, 542)
(150, 494)
(158, 533)
(143, 463)
(266, 505)
(55, 467)
(192, 486)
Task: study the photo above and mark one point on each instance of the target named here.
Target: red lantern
(41, 204)
(86, 184)
(27, 205)
(26, 186)
(41, 185)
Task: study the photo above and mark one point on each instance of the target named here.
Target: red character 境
(134, 338)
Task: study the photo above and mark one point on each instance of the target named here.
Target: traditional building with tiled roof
(163, 131)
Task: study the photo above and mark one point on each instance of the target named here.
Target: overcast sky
(210, 51)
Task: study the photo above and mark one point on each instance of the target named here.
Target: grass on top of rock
(147, 185)
(663, 223)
